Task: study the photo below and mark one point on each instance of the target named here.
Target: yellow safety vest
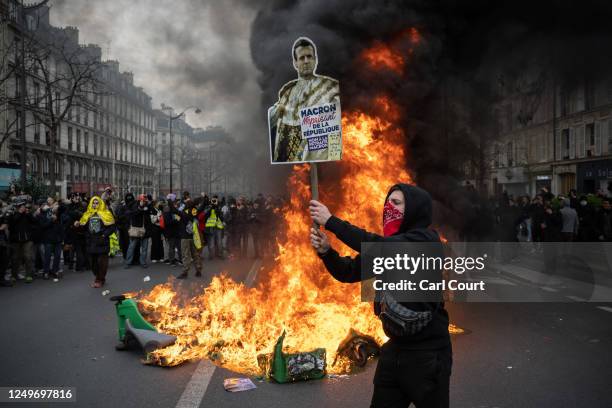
(213, 221)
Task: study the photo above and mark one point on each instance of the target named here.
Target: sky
(189, 52)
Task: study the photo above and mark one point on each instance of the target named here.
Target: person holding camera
(52, 237)
(75, 255)
(139, 214)
(415, 363)
(21, 225)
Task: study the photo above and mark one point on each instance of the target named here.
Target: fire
(382, 56)
(392, 56)
(231, 323)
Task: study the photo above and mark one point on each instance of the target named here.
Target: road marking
(198, 384)
(196, 388)
(606, 308)
(548, 289)
(576, 298)
(250, 279)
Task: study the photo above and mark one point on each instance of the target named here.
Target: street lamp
(172, 118)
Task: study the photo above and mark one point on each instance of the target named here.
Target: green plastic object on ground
(126, 308)
(290, 367)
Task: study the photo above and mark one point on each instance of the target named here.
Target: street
(512, 355)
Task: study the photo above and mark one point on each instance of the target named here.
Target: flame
(381, 56)
(231, 323)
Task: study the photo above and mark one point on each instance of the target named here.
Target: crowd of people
(544, 217)
(41, 238)
(548, 218)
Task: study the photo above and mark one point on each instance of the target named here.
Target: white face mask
(583, 203)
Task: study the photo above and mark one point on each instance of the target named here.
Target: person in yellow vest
(213, 229)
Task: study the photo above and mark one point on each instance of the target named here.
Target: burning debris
(232, 324)
(290, 367)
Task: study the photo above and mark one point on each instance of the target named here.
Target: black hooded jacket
(414, 228)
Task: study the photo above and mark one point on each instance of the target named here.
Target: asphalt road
(514, 355)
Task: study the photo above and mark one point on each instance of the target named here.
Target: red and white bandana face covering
(392, 219)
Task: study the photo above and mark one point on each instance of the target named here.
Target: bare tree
(10, 52)
(65, 76)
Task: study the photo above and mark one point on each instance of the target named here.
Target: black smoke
(469, 50)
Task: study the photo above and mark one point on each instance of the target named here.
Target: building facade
(107, 139)
(553, 136)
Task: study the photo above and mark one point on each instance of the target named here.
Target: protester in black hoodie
(413, 368)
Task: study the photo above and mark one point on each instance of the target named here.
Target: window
(590, 138)
(17, 86)
(36, 94)
(36, 131)
(69, 138)
(78, 135)
(565, 143)
(58, 102)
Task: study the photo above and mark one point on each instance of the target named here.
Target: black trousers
(99, 266)
(421, 377)
(157, 246)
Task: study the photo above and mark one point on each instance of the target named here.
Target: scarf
(105, 215)
(392, 219)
